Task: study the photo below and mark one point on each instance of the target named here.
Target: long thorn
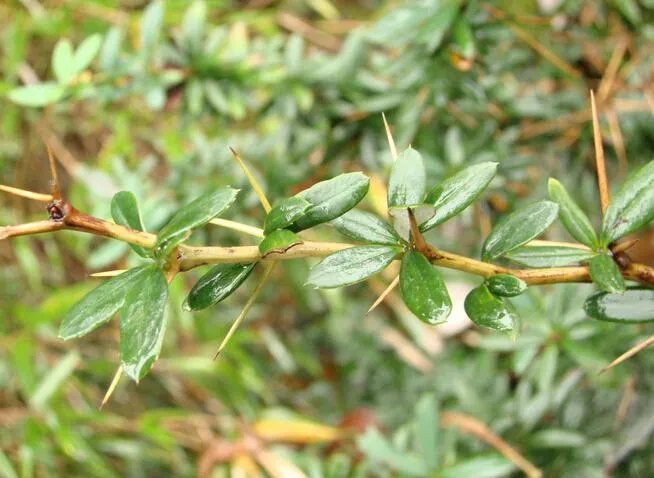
(113, 273)
(389, 137)
(599, 157)
(383, 295)
(56, 191)
(26, 194)
(629, 353)
(253, 182)
(112, 387)
(237, 226)
(246, 307)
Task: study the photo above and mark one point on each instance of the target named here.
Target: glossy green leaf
(571, 215)
(86, 52)
(486, 310)
(634, 305)
(193, 215)
(423, 289)
(125, 211)
(332, 198)
(365, 226)
(606, 274)
(278, 242)
(142, 323)
(40, 94)
(457, 192)
(285, 212)
(351, 265)
(217, 284)
(519, 228)
(549, 256)
(406, 184)
(100, 304)
(505, 285)
(62, 61)
(632, 207)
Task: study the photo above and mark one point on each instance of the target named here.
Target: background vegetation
(297, 87)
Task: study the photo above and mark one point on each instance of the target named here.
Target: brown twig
(629, 353)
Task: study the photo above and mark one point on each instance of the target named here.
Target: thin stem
(253, 182)
(237, 226)
(599, 157)
(630, 353)
(30, 228)
(26, 194)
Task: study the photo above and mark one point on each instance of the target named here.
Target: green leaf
(278, 242)
(125, 211)
(549, 256)
(41, 94)
(365, 226)
(110, 51)
(193, 26)
(142, 323)
(54, 378)
(151, 23)
(518, 228)
(193, 215)
(100, 304)
(62, 61)
(485, 466)
(634, 305)
(606, 274)
(571, 215)
(406, 184)
(332, 198)
(379, 450)
(217, 284)
(423, 289)
(464, 39)
(505, 285)
(86, 51)
(557, 438)
(486, 310)
(457, 192)
(351, 265)
(632, 207)
(285, 212)
(427, 428)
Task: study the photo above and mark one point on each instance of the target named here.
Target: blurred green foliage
(297, 87)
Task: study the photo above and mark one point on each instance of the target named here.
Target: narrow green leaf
(332, 198)
(632, 207)
(571, 215)
(62, 61)
(406, 184)
(193, 215)
(54, 378)
(110, 51)
(366, 226)
(193, 26)
(505, 285)
(86, 51)
(217, 284)
(557, 438)
(481, 466)
(464, 39)
(518, 228)
(486, 310)
(278, 242)
(125, 211)
(41, 94)
(142, 323)
(151, 23)
(352, 265)
(423, 289)
(549, 256)
(454, 150)
(100, 304)
(606, 274)
(427, 428)
(379, 450)
(285, 212)
(457, 192)
(635, 305)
